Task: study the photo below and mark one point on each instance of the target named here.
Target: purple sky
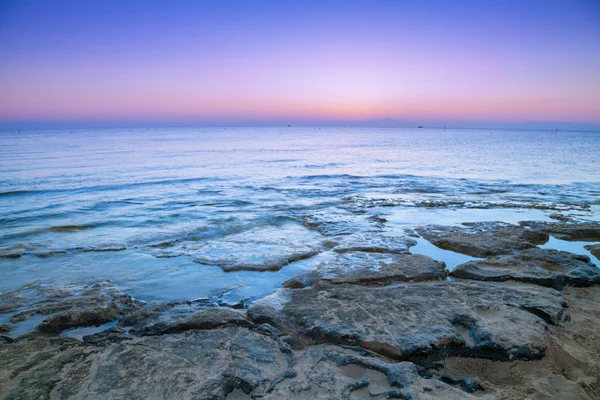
(237, 62)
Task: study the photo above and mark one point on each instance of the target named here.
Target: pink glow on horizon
(350, 68)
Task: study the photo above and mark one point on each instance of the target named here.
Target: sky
(232, 62)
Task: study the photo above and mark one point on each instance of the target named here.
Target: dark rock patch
(545, 267)
(483, 239)
(208, 319)
(584, 231)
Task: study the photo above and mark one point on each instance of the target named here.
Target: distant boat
(420, 126)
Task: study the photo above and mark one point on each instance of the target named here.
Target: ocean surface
(139, 207)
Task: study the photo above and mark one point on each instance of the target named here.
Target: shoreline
(375, 321)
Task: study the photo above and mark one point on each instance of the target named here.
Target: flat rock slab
(545, 267)
(372, 269)
(373, 243)
(195, 365)
(585, 231)
(483, 239)
(426, 319)
(332, 223)
(261, 249)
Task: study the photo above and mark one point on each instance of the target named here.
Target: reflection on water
(451, 258)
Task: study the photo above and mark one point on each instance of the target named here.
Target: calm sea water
(84, 206)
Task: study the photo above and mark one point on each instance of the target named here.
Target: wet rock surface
(585, 231)
(374, 322)
(545, 267)
(483, 239)
(68, 307)
(207, 319)
(372, 269)
(422, 320)
(342, 223)
(373, 243)
(594, 249)
(257, 250)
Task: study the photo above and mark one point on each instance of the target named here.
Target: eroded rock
(333, 372)
(206, 364)
(545, 267)
(71, 306)
(483, 239)
(422, 320)
(372, 269)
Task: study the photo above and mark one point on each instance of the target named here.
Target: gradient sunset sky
(253, 62)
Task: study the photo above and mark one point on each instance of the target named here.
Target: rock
(5, 339)
(372, 269)
(560, 217)
(194, 365)
(332, 223)
(584, 231)
(264, 249)
(76, 318)
(5, 328)
(425, 320)
(467, 384)
(483, 239)
(594, 249)
(71, 306)
(545, 267)
(331, 372)
(208, 319)
(374, 243)
(107, 337)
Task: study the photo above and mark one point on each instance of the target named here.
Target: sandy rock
(423, 320)
(372, 269)
(483, 239)
(545, 267)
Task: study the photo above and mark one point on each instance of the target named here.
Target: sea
(138, 207)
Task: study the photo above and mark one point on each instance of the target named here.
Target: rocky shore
(373, 322)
